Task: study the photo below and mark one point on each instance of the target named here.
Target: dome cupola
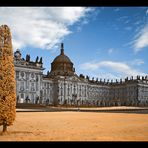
(62, 65)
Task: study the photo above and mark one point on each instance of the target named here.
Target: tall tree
(7, 79)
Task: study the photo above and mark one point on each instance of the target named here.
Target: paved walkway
(97, 109)
(30, 110)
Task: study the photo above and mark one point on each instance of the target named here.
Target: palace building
(63, 86)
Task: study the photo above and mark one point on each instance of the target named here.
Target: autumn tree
(7, 79)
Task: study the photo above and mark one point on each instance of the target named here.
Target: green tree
(7, 79)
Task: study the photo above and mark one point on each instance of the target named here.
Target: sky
(102, 42)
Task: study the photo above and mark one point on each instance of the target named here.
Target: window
(44, 92)
(17, 74)
(22, 96)
(68, 91)
(32, 75)
(47, 85)
(22, 74)
(61, 91)
(32, 98)
(37, 78)
(22, 86)
(32, 87)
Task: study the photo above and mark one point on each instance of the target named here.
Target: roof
(62, 58)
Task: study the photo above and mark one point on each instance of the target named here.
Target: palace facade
(63, 86)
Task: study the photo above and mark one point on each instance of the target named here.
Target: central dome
(62, 65)
(62, 58)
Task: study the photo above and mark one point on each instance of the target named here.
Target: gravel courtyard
(77, 126)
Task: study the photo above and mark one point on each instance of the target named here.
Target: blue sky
(103, 42)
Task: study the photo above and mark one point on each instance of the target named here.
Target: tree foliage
(7, 79)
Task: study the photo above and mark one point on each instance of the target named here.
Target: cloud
(40, 27)
(141, 39)
(108, 76)
(137, 62)
(138, 22)
(119, 68)
(89, 66)
(146, 12)
(122, 18)
(110, 51)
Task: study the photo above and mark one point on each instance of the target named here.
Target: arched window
(32, 98)
(22, 86)
(32, 75)
(22, 96)
(22, 74)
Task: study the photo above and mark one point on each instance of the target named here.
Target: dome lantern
(62, 49)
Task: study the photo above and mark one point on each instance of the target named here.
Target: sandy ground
(77, 126)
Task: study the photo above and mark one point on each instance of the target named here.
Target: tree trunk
(4, 127)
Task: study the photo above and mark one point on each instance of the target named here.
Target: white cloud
(119, 68)
(122, 18)
(146, 12)
(89, 66)
(137, 62)
(111, 50)
(108, 76)
(141, 39)
(40, 27)
(138, 22)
